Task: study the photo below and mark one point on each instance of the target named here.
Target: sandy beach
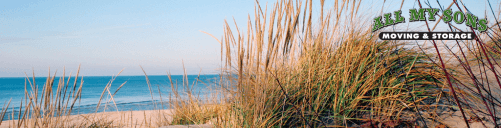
(148, 118)
(160, 118)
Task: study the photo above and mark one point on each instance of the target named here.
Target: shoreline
(142, 118)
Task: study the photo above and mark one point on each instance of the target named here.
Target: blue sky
(107, 36)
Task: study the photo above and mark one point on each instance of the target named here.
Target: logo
(420, 15)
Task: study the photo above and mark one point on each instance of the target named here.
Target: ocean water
(134, 95)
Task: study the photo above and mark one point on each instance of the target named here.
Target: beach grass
(42, 106)
(299, 73)
(187, 106)
(291, 69)
(47, 108)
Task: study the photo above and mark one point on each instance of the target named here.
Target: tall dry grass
(190, 108)
(4, 111)
(51, 105)
(187, 106)
(291, 69)
(48, 107)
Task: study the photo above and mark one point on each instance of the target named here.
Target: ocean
(134, 95)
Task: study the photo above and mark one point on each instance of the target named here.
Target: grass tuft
(290, 71)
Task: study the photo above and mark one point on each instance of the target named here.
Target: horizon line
(108, 75)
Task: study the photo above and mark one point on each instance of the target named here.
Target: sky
(105, 37)
(108, 36)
